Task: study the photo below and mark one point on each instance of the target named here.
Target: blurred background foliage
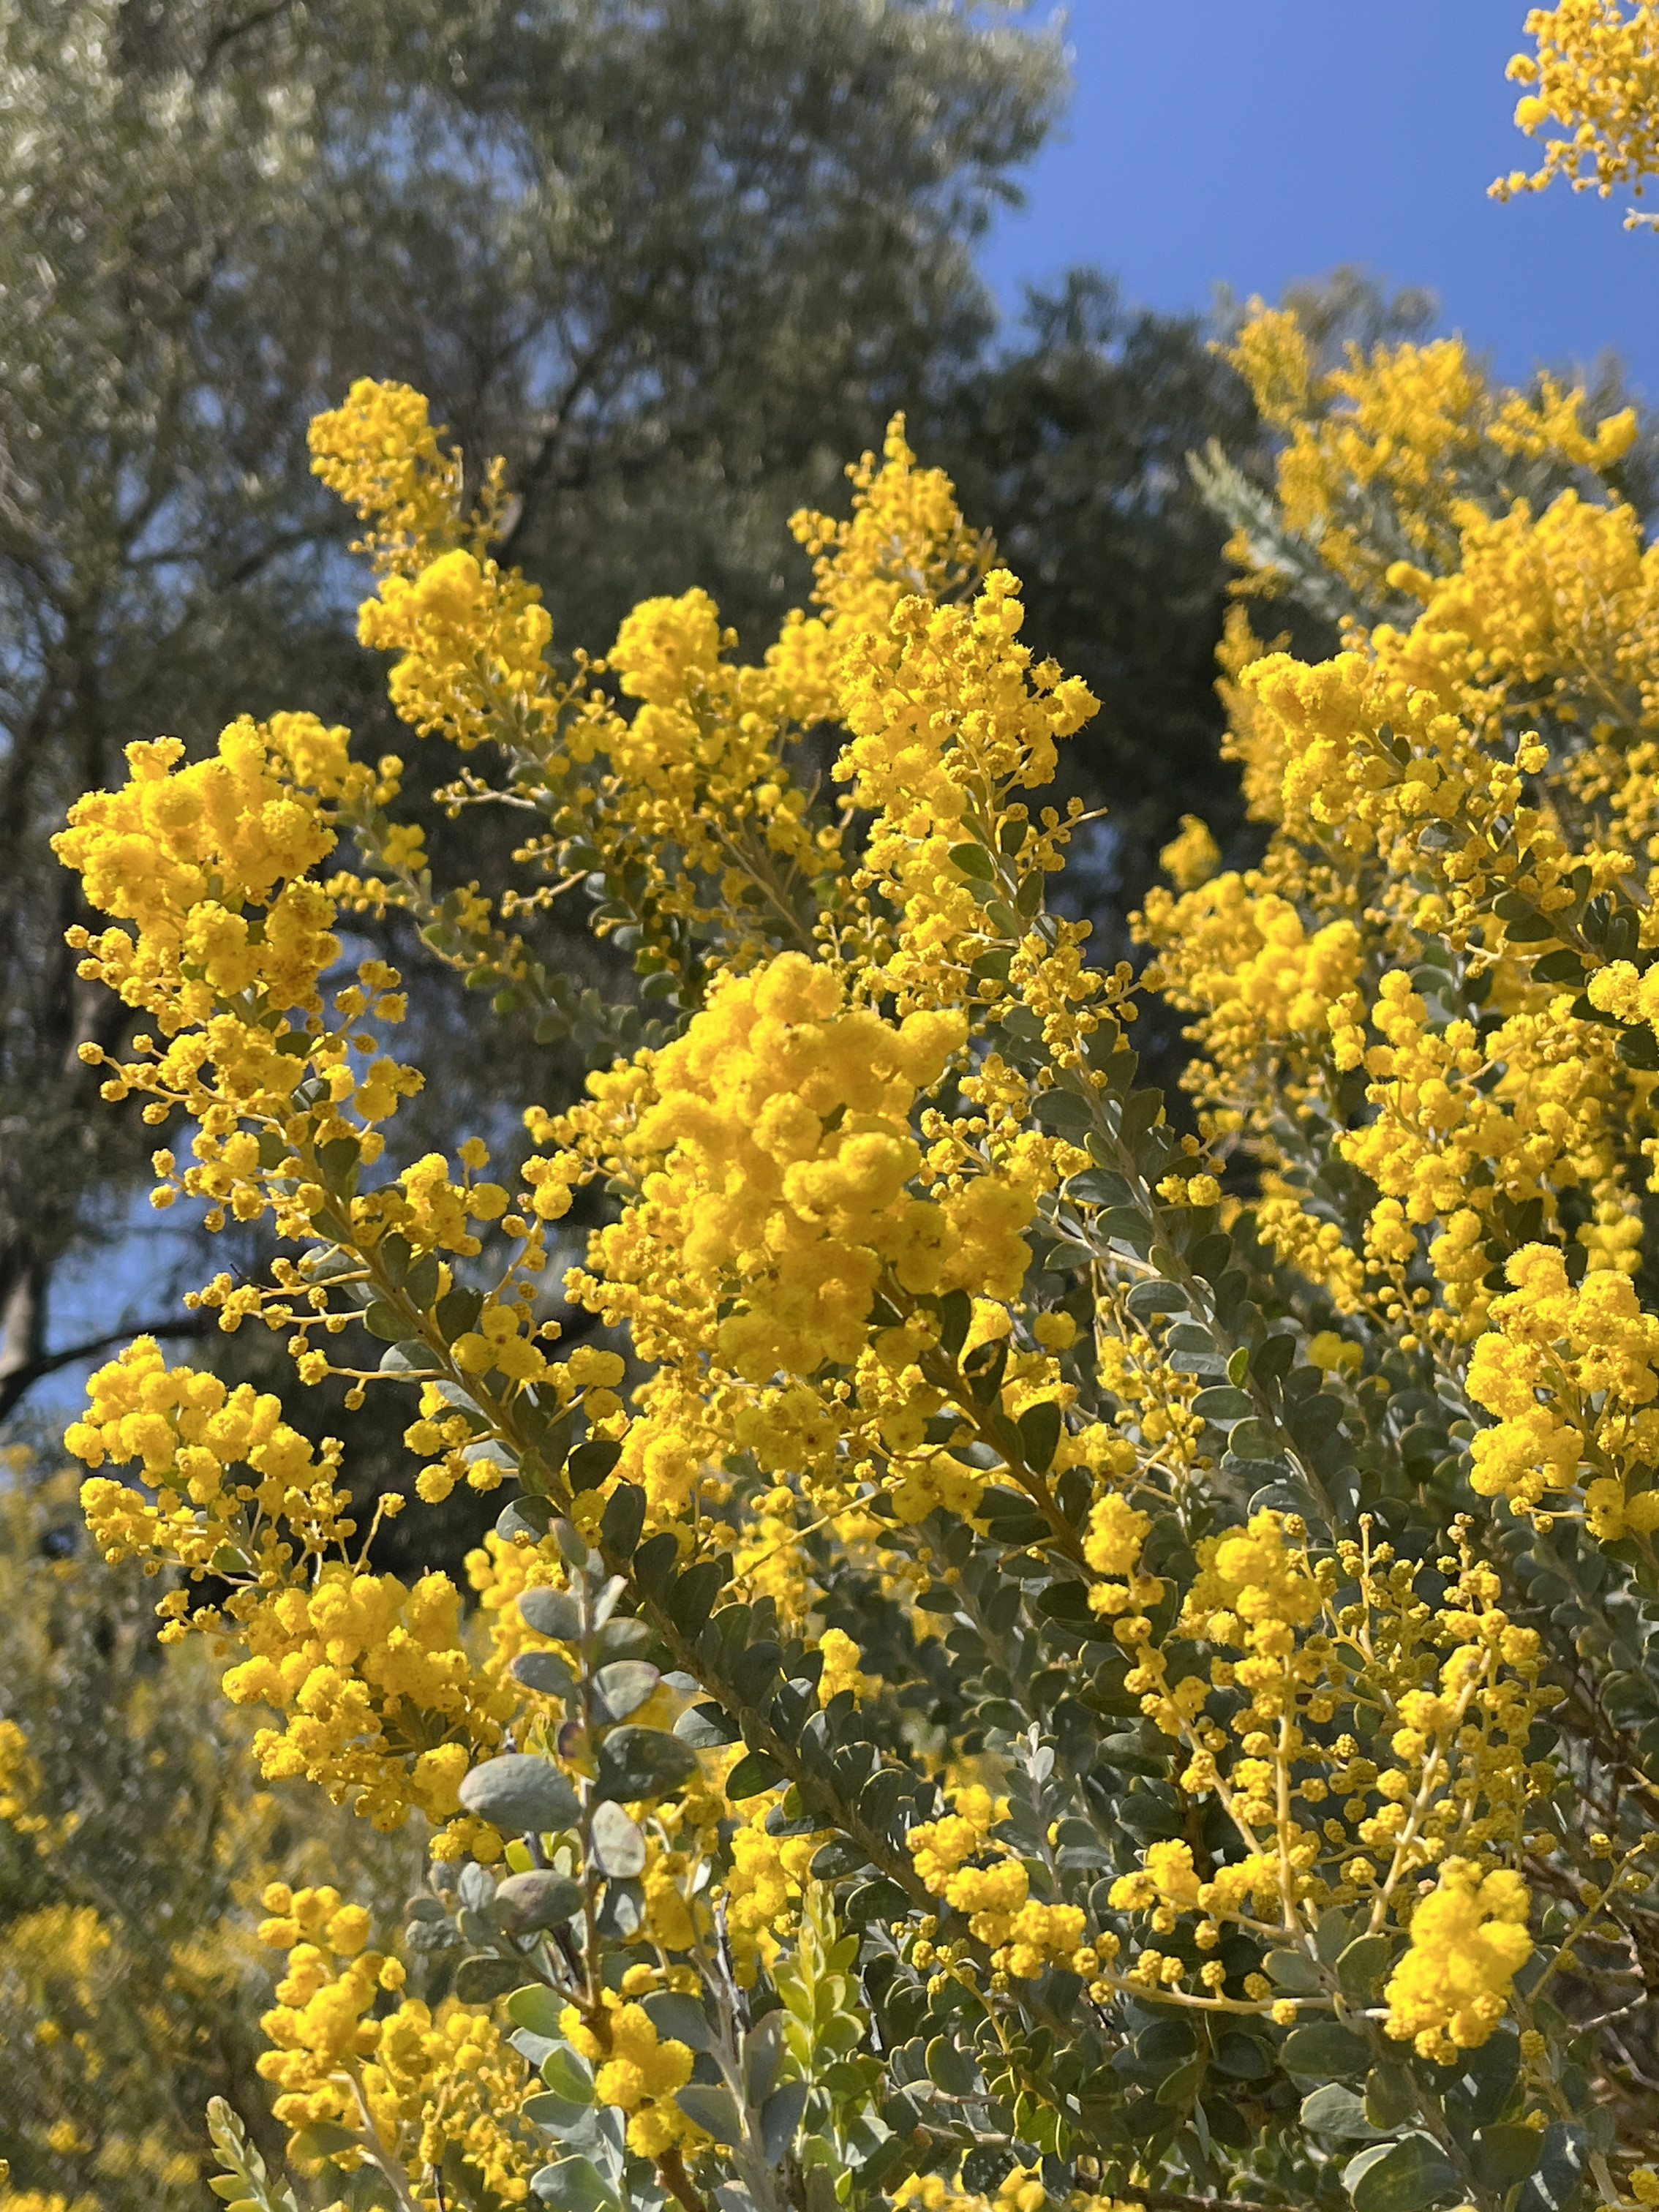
(133, 1848)
(677, 262)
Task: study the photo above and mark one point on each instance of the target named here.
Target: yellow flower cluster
(1468, 1941)
(1595, 79)
(409, 2084)
(1417, 855)
(20, 1781)
(1317, 1823)
(378, 1696)
(1570, 1375)
(1025, 1934)
(773, 1154)
(636, 2070)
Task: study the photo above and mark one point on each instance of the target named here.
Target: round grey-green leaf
(625, 1685)
(643, 1762)
(543, 1671)
(1400, 2176)
(540, 1898)
(519, 1792)
(552, 1612)
(617, 1843)
(479, 1979)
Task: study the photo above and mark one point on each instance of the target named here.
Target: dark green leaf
(1407, 2176)
(692, 1598)
(1322, 2051)
(1363, 1964)
(1556, 2183)
(456, 1311)
(479, 1979)
(384, 1321)
(949, 2068)
(589, 1463)
(780, 2115)
(1039, 1427)
(751, 1775)
(1506, 2152)
(624, 1517)
(678, 2018)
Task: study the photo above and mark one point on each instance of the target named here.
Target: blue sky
(1257, 144)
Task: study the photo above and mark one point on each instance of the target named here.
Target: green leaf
(1506, 2153)
(643, 1762)
(544, 1672)
(1179, 2088)
(483, 1977)
(956, 1314)
(456, 1311)
(1557, 2185)
(1362, 1964)
(949, 2068)
(619, 1845)
(883, 1900)
(692, 1598)
(624, 1517)
(1155, 1296)
(974, 861)
(552, 1612)
(758, 1771)
(384, 1321)
(1293, 1969)
(678, 2018)
(537, 1899)
(568, 2076)
(558, 2115)
(421, 1283)
(1335, 2110)
(536, 2007)
(712, 2109)
(1407, 2176)
(1063, 1111)
(1221, 1402)
(1040, 1428)
(520, 1792)
(591, 1462)
(1391, 2095)
(1323, 2051)
(780, 2115)
(574, 2185)
(625, 1685)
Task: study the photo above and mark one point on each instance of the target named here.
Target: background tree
(668, 260)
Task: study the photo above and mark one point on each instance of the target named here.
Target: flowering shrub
(1028, 1655)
